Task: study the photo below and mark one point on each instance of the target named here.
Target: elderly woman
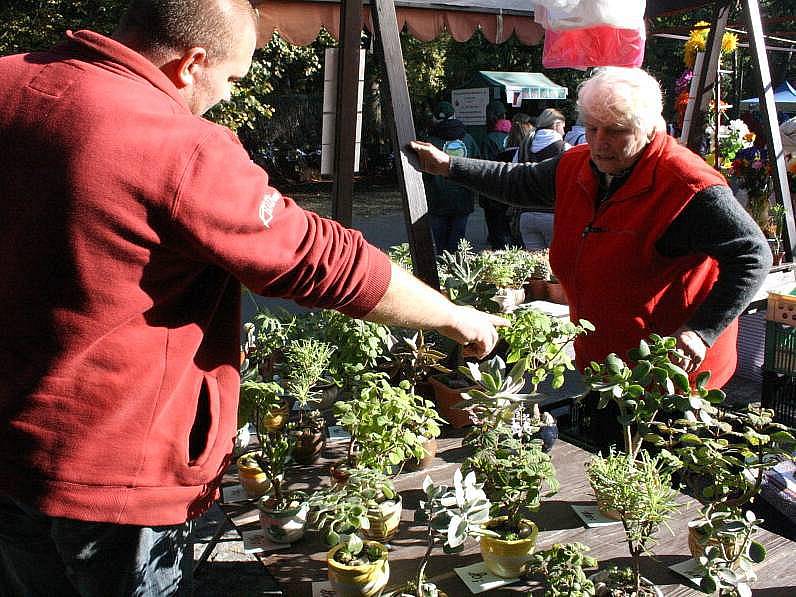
(648, 238)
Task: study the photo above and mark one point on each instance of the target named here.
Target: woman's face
(614, 147)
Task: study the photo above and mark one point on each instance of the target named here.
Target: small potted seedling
(358, 568)
(561, 570)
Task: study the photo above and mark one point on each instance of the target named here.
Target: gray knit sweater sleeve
(520, 185)
(714, 223)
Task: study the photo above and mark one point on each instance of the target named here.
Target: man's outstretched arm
(410, 303)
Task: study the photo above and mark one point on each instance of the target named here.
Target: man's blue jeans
(448, 231)
(45, 556)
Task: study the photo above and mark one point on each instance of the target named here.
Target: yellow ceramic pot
(367, 580)
(384, 520)
(505, 558)
(275, 420)
(251, 477)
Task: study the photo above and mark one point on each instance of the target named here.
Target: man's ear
(190, 65)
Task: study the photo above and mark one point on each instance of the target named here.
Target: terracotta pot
(603, 507)
(340, 471)
(535, 289)
(358, 581)
(384, 520)
(284, 526)
(446, 398)
(430, 450)
(309, 446)
(697, 542)
(556, 294)
(251, 477)
(506, 558)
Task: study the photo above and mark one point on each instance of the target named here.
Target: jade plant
(654, 384)
(561, 567)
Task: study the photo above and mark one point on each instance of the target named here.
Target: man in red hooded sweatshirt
(129, 225)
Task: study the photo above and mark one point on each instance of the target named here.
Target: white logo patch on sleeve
(267, 205)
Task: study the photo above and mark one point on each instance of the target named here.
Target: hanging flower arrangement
(698, 40)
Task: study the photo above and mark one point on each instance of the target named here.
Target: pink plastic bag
(593, 46)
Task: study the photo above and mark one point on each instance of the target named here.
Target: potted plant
(561, 570)
(451, 515)
(507, 269)
(283, 515)
(261, 402)
(461, 276)
(358, 568)
(640, 493)
(368, 503)
(515, 473)
(536, 284)
(306, 360)
(385, 422)
(728, 551)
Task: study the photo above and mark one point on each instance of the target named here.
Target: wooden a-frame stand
(707, 77)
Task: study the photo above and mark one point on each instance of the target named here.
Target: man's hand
(692, 346)
(432, 160)
(475, 330)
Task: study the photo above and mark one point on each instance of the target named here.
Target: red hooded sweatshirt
(128, 227)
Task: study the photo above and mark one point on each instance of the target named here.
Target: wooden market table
(299, 565)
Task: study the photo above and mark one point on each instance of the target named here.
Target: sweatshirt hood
(448, 129)
(543, 138)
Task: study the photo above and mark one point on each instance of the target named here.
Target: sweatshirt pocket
(203, 435)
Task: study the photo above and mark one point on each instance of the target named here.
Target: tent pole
(775, 151)
(421, 244)
(347, 107)
(692, 136)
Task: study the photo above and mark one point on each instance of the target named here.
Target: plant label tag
(691, 569)
(591, 516)
(245, 517)
(479, 579)
(323, 589)
(336, 433)
(233, 493)
(256, 542)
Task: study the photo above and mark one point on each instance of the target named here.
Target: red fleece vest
(607, 261)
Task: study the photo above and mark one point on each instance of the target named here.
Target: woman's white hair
(622, 96)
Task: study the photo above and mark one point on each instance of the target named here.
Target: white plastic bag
(561, 15)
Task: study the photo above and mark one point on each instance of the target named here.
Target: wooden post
(421, 243)
(347, 103)
(775, 152)
(693, 134)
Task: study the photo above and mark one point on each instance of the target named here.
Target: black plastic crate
(779, 394)
(780, 348)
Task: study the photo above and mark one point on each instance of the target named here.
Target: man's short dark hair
(158, 25)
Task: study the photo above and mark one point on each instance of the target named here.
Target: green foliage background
(279, 102)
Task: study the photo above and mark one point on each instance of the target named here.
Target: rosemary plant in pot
(640, 492)
(306, 360)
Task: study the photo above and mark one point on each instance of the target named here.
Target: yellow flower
(749, 137)
(792, 166)
(729, 43)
